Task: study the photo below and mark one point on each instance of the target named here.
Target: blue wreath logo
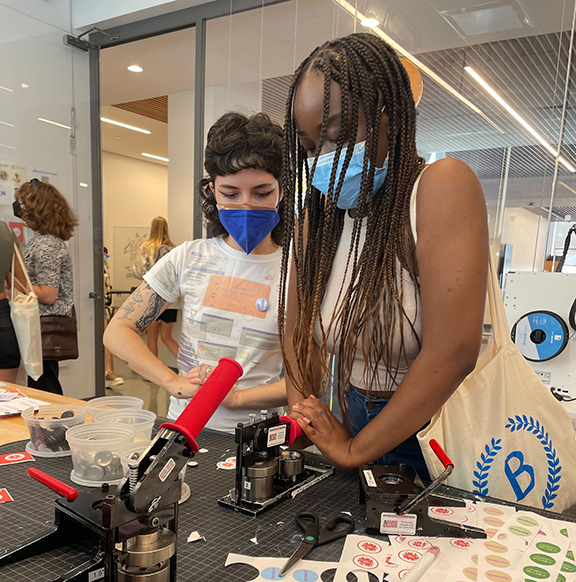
(491, 450)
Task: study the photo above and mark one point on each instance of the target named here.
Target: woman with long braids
(389, 258)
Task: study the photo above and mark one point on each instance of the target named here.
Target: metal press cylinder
(259, 480)
(291, 463)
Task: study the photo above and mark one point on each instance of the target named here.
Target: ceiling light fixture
(135, 69)
(83, 184)
(566, 186)
(24, 86)
(125, 125)
(54, 123)
(6, 123)
(6, 89)
(356, 14)
(3, 145)
(370, 21)
(555, 152)
(156, 157)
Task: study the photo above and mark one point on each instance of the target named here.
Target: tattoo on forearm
(129, 306)
(153, 310)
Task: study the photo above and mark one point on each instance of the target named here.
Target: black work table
(226, 531)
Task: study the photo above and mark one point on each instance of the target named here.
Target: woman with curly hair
(228, 283)
(44, 210)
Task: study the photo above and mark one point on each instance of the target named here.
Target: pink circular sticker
(461, 543)
(420, 544)
(369, 547)
(367, 562)
(228, 465)
(441, 511)
(411, 556)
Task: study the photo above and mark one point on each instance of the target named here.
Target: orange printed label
(236, 295)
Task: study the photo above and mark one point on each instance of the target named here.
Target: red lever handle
(61, 488)
(444, 459)
(295, 430)
(204, 404)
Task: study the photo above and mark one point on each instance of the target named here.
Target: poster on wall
(11, 176)
(46, 176)
(124, 253)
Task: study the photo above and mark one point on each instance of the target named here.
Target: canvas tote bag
(25, 315)
(507, 435)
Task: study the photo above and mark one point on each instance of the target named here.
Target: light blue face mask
(350, 192)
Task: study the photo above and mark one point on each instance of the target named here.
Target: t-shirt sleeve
(164, 276)
(47, 259)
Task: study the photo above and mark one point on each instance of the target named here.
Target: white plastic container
(95, 452)
(143, 420)
(113, 403)
(48, 429)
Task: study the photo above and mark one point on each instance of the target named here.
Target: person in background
(9, 352)
(151, 251)
(111, 379)
(44, 210)
(390, 258)
(228, 283)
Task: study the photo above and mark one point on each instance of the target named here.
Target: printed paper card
(365, 554)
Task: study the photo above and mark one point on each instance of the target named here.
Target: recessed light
(370, 21)
(156, 157)
(6, 89)
(135, 69)
(54, 123)
(6, 123)
(83, 184)
(125, 125)
(24, 86)
(3, 145)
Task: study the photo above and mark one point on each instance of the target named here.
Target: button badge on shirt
(262, 304)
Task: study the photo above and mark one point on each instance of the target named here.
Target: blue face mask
(350, 192)
(248, 226)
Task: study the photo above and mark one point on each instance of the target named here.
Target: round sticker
(497, 561)
(410, 556)
(15, 456)
(525, 520)
(561, 578)
(367, 562)
(536, 572)
(493, 546)
(470, 573)
(496, 522)
(271, 573)
(548, 547)
(493, 511)
(497, 576)
(192, 463)
(226, 465)
(419, 544)
(304, 576)
(461, 543)
(542, 559)
(262, 304)
(519, 531)
(369, 547)
(441, 510)
(568, 567)
(203, 450)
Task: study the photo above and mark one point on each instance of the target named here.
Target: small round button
(262, 304)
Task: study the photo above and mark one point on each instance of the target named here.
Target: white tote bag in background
(25, 315)
(507, 435)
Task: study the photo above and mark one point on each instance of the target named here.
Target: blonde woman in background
(151, 251)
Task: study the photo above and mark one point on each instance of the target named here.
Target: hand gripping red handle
(295, 430)
(198, 412)
(444, 459)
(69, 492)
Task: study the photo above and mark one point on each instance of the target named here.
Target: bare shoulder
(449, 174)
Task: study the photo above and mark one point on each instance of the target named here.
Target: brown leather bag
(59, 337)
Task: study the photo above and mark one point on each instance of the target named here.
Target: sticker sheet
(365, 554)
(491, 517)
(269, 568)
(520, 530)
(463, 515)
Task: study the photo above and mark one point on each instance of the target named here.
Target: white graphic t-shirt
(230, 309)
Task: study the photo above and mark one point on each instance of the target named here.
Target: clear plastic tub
(113, 403)
(95, 452)
(143, 420)
(48, 428)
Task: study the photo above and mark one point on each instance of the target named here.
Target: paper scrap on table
(14, 458)
(269, 568)
(363, 553)
(7, 396)
(195, 536)
(491, 516)
(5, 496)
(17, 405)
(407, 551)
(464, 515)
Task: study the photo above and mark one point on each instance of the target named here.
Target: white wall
(134, 192)
(526, 232)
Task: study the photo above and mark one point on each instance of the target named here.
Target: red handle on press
(444, 459)
(61, 488)
(295, 430)
(204, 404)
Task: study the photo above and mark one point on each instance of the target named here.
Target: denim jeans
(362, 410)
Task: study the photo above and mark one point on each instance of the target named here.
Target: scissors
(316, 536)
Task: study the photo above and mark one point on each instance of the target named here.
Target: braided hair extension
(372, 79)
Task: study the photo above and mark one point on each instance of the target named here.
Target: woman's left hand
(199, 374)
(325, 431)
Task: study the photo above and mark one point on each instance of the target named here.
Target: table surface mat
(32, 511)
(226, 531)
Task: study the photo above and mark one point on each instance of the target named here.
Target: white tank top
(411, 304)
